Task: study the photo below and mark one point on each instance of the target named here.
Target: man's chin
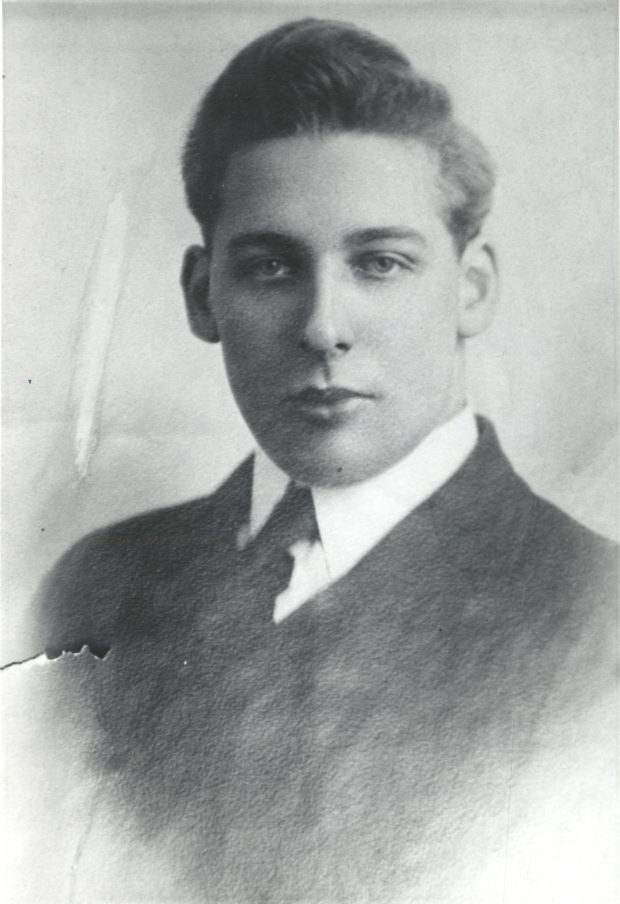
(329, 460)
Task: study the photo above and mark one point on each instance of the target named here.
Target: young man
(358, 670)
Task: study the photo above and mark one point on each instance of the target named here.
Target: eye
(268, 268)
(380, 266)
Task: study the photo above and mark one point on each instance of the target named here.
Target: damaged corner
(73, 651)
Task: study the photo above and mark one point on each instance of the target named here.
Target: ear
(478, 289)
(195, 283)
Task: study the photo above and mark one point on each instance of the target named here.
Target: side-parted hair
(318, 77)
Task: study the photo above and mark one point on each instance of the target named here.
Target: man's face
(338, 297)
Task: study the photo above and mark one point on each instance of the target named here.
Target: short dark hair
(316, 76)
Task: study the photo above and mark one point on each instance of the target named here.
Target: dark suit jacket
(387, 740)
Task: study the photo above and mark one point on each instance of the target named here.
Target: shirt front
(353, 519)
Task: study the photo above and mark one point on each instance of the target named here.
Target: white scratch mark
(97, 322)
(508, 802)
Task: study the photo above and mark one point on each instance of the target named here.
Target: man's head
(341, 208)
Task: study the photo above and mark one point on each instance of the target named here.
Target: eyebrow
(377, 234)
(287, 243)
(264, 239)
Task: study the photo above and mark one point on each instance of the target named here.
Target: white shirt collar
(352, 519)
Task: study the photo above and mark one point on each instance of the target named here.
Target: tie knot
(293, 519)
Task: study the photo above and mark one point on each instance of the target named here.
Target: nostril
(323, 346)
(325, 331)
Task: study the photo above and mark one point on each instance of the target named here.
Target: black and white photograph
(310, 452)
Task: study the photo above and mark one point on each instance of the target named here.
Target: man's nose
(326, 329)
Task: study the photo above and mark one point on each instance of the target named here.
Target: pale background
(112, 407)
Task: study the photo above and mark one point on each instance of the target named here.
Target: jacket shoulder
(79, 600)
(562, 543)
(498, 532)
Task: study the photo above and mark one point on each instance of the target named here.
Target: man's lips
(327, 404)
(329, 395)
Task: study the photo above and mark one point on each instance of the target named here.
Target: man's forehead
(310, 147)
(366, 187)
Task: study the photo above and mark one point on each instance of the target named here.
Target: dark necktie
(292, 520)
